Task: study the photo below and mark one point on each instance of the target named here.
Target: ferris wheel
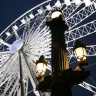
(28, 37)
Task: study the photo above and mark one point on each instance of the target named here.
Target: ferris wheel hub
(16, 46)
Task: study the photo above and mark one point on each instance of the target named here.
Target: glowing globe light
(16, 46)
(41, 66)
(56, 14)
(80, 54)
(80, 51)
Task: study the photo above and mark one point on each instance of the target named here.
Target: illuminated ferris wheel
(28, 37)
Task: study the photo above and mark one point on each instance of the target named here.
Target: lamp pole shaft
(21, 76)
(59, 55)
(59, 63)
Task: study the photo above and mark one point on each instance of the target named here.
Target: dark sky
(12, 9)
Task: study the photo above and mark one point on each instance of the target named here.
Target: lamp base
(60, 89)
(60, 84)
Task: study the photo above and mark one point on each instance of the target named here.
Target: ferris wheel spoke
(91, 51)
(2, 87)
(80, 16)
(32, 56)
(31, 74)
(35, 55)
(90, 65)
(14, 88)
(33, 40)
(24, 15)
(38, 22)
(7, 65)
(92, 80)
(80, 32)
(36, 33)
(26, 28)
(4, 57)
(4, 43)
(69, 10)
(10, 86)
(16, 34)
(4, 82)
(32, 59)
(6, 70)
(42, 48)
(40, 38)
(70, 63)
(17, 90)
(88, 87)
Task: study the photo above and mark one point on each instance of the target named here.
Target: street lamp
(62, 78)
(79, 51)
(56, 14)
(41, 66)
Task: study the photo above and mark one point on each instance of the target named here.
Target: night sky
(10, 10)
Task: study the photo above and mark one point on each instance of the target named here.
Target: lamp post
(61, 80)
(21, 76)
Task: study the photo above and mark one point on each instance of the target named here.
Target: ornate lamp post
(62, 78)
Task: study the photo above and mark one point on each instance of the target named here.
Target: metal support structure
(21, 76)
